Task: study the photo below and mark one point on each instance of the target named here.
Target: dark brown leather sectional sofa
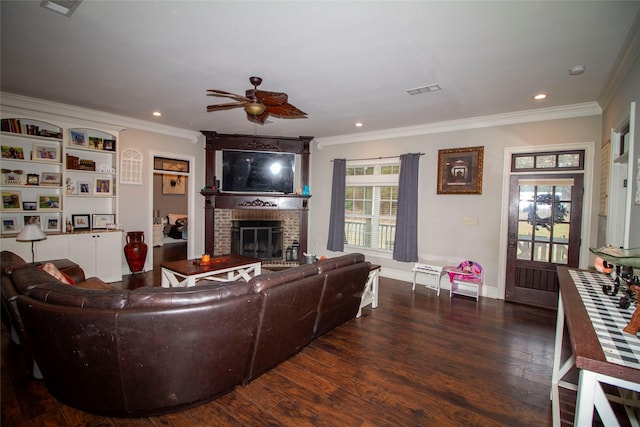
(155, 350)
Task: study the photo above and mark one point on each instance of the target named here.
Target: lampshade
(255, 108)
(30, 233)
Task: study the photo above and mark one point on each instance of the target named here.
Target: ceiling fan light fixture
(255, 108)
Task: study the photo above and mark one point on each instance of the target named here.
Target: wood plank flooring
(416, 360)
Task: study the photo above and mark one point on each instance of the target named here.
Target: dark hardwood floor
(416, 360)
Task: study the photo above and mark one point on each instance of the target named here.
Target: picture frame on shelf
(460, 170)
(51, 178)
(45, 153)
(10, 225)
(48, 202)
(84, 188)
(102, 221)
(33, 179)
(51, 224)
(102, 186)
(109, 145)
(77, 139)
(32, 219)
(11, 200)
(96, 143)
(12, 177)
(29, 206)
(81, 222)
(9, 152)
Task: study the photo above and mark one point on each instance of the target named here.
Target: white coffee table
(223, 268)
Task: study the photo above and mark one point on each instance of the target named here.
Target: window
(371, 204)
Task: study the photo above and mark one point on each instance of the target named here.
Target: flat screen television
(257, 171)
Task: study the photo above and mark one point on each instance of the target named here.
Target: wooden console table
(601, 352)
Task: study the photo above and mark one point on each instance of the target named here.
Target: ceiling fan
(258, 104)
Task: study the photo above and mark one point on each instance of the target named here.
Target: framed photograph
(84, 188)
(101, 221)
(460, 170)
(96, 143)
(11, 200)
(47, 153)
(12, 152)
(33, 179)
(50, 178)
(29, 206)
(102, 186)
(12, 177)
(32, 219)
(51, 224)
(48, 201)
(174, 184)
(77, 139)
(10, 225)
(81, 222)
(109, 145)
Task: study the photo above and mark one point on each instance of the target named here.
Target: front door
(545, 214)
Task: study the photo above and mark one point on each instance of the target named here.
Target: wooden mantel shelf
(262, 201)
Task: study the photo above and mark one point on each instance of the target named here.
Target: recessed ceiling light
(577, 70)
(358, 124)
(65, 7)
(157, 113)
(424, 89)
(540, 96)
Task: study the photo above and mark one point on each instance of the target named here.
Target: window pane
(357, 231)
(546, 161)
(525, 230)
(524, 162)
(563, 192)
(389, 170)
(560, 254)
(524, 251)
(386, 234)
(561, 233)
(360, 170)
(541, 252)
(569, 160)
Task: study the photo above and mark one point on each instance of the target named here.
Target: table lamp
(31, 233)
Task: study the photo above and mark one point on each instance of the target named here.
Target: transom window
(371, 204)
(550, 161)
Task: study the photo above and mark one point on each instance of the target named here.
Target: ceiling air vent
(65, 7)
(424, 89)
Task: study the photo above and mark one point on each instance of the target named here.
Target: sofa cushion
(266, 281)
(39, 285)
(53, 270)
(337, 262)
(155, 296)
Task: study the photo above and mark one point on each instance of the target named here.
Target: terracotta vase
(135, 251)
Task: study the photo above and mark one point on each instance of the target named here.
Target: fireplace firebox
(257, 239)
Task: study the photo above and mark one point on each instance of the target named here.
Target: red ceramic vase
(135, 251)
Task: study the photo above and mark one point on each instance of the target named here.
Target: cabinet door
(53, 247)
(82, 250)
(109, 250)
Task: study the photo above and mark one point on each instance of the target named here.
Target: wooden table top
(189, 267)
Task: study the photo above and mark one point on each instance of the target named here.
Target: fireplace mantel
(254, 201)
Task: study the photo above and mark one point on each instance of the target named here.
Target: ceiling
(340, 62)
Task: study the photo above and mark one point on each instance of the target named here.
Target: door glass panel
(569, 160)
(525, 230)
(524, 210)
(563, 192)
(560, 254)
(561, 233)
(543, 234)
(546, 161)
(524, 251)
(563, 212)
(541, 252)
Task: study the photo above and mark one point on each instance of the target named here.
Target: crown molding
(85, 117)
(527, 116)
(628, 55)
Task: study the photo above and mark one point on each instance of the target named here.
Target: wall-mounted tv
(257, 171)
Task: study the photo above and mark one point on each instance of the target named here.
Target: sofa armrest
(76, 273)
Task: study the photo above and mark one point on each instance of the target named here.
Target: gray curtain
(406, 240)
(336, 215)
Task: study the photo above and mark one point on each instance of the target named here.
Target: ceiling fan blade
(220, 107)
(222, 93)
(258, 119)
(286, 111)
(271, 98)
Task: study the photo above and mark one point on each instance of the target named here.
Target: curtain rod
(376, 158)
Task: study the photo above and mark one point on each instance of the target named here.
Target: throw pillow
(53, 270)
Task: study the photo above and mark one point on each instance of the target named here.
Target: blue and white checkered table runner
(608, 319)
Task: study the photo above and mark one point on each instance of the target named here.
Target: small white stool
(433, 272)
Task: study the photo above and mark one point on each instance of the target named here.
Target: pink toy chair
(467, 281)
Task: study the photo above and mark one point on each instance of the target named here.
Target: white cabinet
(54, 247)
(99, 254)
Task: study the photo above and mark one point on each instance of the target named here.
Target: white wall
(136, 210)
(443, 236)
